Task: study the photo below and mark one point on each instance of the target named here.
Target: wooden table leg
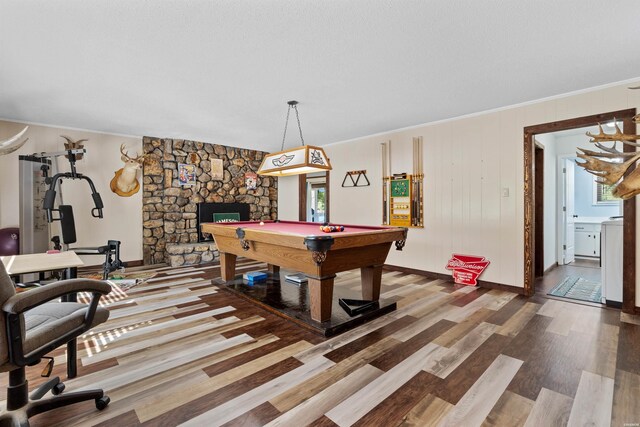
(321, 298)
(227, 266)
(371, 278)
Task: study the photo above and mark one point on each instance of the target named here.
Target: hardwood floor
(179, 351)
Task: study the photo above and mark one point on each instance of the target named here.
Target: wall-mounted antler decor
(10, 145)
(74, 145)
(610, 165)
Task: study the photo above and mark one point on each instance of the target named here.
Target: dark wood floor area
(586, 268)
(179, 351)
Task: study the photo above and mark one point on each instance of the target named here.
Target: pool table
(303, 247)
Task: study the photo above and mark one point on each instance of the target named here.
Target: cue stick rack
(402, 194)
(355, 182)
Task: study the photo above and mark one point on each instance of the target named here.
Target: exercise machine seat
(111, 250)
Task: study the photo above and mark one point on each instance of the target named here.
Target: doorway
(536, 244)
(568, 254)
(314, 197)
(539, 206)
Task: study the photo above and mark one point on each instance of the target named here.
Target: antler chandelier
(610, 165)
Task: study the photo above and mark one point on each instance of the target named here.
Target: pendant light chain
(295, 107)
(284, 136)
(286, 122)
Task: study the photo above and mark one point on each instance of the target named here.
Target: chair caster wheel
(57, 389)
(102, 403)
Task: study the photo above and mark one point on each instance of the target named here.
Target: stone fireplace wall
(169, 210)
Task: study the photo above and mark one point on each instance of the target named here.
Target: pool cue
(384, 183)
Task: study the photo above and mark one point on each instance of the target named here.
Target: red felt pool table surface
(302, 246)
(301, 228)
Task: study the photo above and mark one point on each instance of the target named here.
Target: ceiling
(222, 71)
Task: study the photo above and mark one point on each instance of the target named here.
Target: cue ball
(261, 222)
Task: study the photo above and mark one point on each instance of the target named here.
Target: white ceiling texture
(222, 71)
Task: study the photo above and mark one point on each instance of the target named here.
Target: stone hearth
(191, 253)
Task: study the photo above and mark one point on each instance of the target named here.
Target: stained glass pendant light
(294, 161)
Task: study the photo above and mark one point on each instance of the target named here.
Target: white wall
(122, 215)
(468, 161)
(288, 190)
(550, 199)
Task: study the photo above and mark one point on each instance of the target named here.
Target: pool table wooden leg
(273, 269)
(227, 266)
(371, 278)
(321, 297)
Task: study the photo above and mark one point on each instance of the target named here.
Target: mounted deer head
(125, 182)
(610, 165)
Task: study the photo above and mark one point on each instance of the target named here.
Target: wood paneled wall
(469, 162)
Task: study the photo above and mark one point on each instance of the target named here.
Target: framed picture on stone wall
(251, 180)
(186, 174)
(217, 170)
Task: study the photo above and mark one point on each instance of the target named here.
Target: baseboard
(500, 287)
(614, 304)
(442, 276)
(429, 274)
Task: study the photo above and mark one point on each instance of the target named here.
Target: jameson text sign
(466, 268)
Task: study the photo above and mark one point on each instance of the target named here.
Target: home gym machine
(39, 172)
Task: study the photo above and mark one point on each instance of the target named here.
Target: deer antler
(137, 158)
(124, 153)
(610, 153)
(73, 143)
(611, 150)
(607, 172)
(602, 136)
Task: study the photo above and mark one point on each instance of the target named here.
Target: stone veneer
(169, 210)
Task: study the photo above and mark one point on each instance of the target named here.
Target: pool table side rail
(301, 259)
(341, 240)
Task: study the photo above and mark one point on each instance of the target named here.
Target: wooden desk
(37, 263)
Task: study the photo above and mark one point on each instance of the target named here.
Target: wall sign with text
(466, 268)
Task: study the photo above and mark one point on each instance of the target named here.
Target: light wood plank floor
(180, 351)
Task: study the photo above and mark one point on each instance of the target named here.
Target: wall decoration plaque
(217, 169)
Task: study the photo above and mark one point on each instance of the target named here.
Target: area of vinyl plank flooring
(180, 351)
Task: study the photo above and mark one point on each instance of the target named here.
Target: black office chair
(111, 250)
(32, 325)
